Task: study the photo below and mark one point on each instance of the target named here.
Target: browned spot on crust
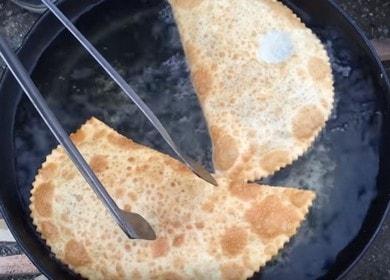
(127, 207)
(132, 196)
(78, 137)
(120, 271)
(68, 174)
(48, 171)
(192, 53)
(271, 218)
(166, 276)
(120, 192)
(142, 168)
(208, 207)
(186, 4)
(233, 241)
(98, 163)
(66, 230)
(76, 254)
(131, 159)
(306, 122)
(225, 150)
(238, 173)
(121, 141)
(318, 69)
(49, 230)
(231, 271)
(177, 166)
(203, 82)
(178, 240)
(43, 197)
(244, 191)
(273, 160)
(99, 134)
(160, 247)
(199, 225)
(298, 198)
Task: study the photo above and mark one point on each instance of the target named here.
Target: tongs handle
(28, 86)
(194, 166)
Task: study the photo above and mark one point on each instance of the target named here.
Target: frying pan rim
(369, 50)
(7, 216)
(5, 74)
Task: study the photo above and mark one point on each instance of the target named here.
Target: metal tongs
(134, 225)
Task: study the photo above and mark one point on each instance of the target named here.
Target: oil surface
(144, 46)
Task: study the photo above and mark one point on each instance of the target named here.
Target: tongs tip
(200, 171)
(136, 227)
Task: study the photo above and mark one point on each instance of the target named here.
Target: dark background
(373, 16)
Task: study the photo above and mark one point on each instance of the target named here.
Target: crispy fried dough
(263, 80)
(204, 232)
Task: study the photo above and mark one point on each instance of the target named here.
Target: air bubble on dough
(275, 47)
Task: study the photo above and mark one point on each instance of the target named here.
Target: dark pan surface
(344, 166)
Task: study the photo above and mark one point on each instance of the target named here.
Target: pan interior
(142, 42)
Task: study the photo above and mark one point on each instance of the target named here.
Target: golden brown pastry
(263, 79)
(204, 232)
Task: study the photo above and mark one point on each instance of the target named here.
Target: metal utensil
(194, 166)
(131, 223)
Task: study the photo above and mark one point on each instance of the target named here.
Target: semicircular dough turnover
(204, 232)
(263, 80)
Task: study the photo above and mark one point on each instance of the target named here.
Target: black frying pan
(348, 165)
